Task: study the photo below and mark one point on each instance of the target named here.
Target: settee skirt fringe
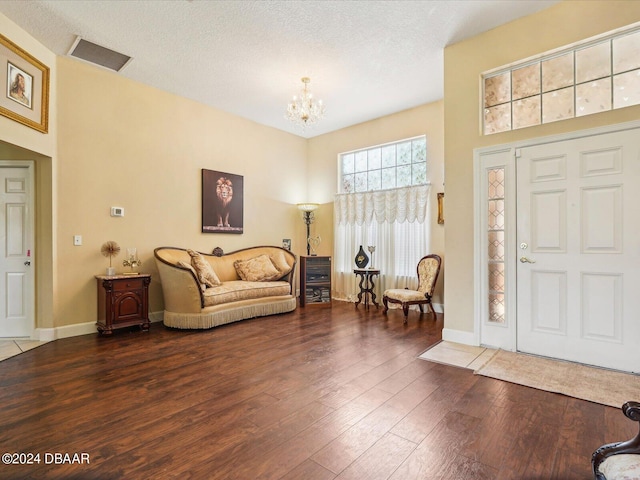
(228, 315)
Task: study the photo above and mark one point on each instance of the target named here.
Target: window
(597, 76)
(383, 203)
(399, 164)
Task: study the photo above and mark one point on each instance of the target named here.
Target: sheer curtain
(395, 222)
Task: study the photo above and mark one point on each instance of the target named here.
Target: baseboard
(459, 336)
(77, 329)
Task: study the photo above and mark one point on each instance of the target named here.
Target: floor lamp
(308, 217)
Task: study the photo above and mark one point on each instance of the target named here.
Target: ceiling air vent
(92, 53)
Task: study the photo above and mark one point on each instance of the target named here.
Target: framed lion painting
(222, 202)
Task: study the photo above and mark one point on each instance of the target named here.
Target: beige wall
(555, 27)
(323, 166)
(125, 144)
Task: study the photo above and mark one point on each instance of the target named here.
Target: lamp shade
(308, 207)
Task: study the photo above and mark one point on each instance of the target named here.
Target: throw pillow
(204, 271)
(257, 269)
(280, 262)
(189, 267)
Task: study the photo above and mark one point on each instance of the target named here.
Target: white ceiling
(366, 59)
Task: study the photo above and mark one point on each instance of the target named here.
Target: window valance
(407, 204)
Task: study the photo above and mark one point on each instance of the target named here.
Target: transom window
(392, 165)
(596, 76)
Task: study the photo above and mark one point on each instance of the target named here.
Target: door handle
(27, 263)
(526, 260)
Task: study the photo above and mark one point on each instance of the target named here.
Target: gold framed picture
(441, 208)
(24, 86)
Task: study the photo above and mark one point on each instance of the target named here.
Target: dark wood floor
(321, 393)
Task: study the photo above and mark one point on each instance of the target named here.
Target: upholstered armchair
(428, 270)
(621, 460)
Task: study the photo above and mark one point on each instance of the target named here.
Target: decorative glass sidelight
(496, 246)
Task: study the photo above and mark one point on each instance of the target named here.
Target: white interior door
(578, 240)
(16, 270)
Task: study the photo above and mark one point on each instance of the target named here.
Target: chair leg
(405, 309)
(420, 307)
(435, 315)
(386, 305)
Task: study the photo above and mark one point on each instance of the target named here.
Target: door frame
(504, 155)
(29, 165)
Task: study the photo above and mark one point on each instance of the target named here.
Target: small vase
(111, 271)
(361, 258)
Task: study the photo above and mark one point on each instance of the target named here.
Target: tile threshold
(458, 355)
(10, 347)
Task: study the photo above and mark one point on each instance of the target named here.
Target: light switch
(77, 240)
(117, 212)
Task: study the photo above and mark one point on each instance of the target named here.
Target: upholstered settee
(206, 290)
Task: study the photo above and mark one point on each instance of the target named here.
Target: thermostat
(117, 212)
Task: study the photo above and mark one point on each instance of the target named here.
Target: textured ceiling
(366, 59)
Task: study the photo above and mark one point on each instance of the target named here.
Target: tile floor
(458, 355)
(12, 347)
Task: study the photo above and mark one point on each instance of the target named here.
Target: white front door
(16, 269)
(578, 244)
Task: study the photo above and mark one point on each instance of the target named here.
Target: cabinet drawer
(128, 284)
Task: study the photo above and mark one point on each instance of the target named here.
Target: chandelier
(304, 110)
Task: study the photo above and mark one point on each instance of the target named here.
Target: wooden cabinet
(123, 301)
(315, 280)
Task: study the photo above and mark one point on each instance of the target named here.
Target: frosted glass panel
(593, 97)
(496, 276)
(497, 89)
(388, 178)
(404, 153)
(526, 81)
(626, 89)
(496, 308)
(496, 246)
(526, 112)
(404, 176)
(419, 173)
(374, 180)
(557, 72)
(626, 53)
(374, 159)
(419, 150)
(361, 161)
(495, 219)
(496, 183)
(593, 62)
(348, 183)
(348, 164)
(497, 119)
(389, 156)
(557, 105)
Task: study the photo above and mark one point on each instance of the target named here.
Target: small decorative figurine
(110, 249)
(313, 243)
